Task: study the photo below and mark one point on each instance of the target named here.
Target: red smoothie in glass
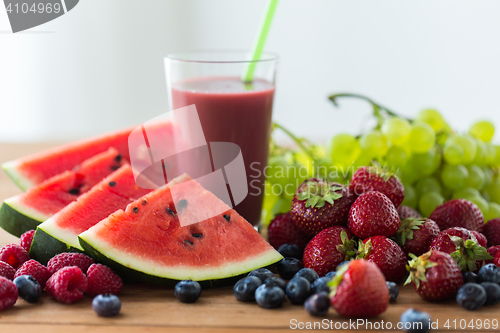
(230, 112)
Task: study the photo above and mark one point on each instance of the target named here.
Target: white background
(100, 67)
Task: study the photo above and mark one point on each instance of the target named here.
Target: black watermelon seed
(112, 184)
(135, 210)
(74, 191)
(188, 242)
(144, 202)
(118, 158)
(227, 217)
(197, 235)
(115, 167)
(182, 204)
(169, 211)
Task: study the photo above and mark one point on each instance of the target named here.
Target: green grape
(428, 202)
(305, 161)
(466, 193)
(410, 196)
(488, 176)
(453, 153)
(447, 193)
(362, 160)
(279, 170)
(481, 203)
(491, 153)
(408, 175)
(426, 185)
(426, 163)
(396, 156)
(496, 160)
(282, 206)
(483, 130)
(374, 144)
(468, 144)
(270, 201)
(493, 211)
(481, 158)
(397, 130)
(454, 176)
(422, 137)
(493, 190)
(431, 117)
(476, 177)
(344, 148)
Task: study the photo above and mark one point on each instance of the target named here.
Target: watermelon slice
(60, 232)
(147, 243)
(31, 170)
(24, 212)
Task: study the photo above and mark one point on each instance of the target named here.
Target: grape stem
(376, 107)
(298, 141)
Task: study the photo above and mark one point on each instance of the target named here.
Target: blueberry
(393, 290)
(342, 264)
(298, 290)
(471, 296)
(28, 287)
(291, 250)
(288, 267)
(330, 275)
(261, 273)
(415, 321)
(317, 304)
(269, 296)
(492, 293)
(187, 291)
(106, 305)
(320, 285)
(469, 277)
(276, 281)
(308, 274)
(489, 273)
(244, 289)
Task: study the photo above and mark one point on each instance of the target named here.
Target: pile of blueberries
(480, 289)
(304, 285)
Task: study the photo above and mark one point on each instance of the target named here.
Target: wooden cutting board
(154, 309)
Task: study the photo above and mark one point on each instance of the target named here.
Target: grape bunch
(435, 163)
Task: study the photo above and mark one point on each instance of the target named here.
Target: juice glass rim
(197, 56)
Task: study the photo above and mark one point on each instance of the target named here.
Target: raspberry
(7, 271)
(492, 232)
(496, 260)
(14, 255)
(26, 239)
(69, 259)
(102, 280)
(36, 270)
(492, 250)
(67, 285)
(8, 293)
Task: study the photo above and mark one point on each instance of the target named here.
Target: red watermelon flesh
(148, 239)
(23, 212)
(111, 194)
(34, 169)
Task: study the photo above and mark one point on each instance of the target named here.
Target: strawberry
(328, 249)
(375, 178)
(492, 250)
(318, 205)
(496, 260)
(492, 232)
(283, 231)
(463, 246)
(358, 289)
(415, 235)
(373, 214)
(458, 213)
(481, 239)
(435, 275)
(406, 212)
(386, 254)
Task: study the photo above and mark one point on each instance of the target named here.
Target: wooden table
(154, 309)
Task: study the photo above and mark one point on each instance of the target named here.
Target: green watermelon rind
(16, 218)
(45, 246)
(21, 181)
(125, 271)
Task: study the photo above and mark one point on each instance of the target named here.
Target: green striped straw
(261, 40)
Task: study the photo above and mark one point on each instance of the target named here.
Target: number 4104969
(472, 324)
(36, 8)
